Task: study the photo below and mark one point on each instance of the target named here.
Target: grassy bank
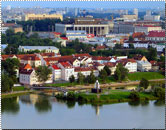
(68, 84)
(147, 75)
(112, 96)
(14, 94)
(19, 88)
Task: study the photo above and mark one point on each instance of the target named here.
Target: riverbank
(111, 96)
(15, 93)
(109, 85)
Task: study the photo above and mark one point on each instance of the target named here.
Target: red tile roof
(156, 34)
(66, 64)
(34, 58)
(125, 61)
(48, 54)
(154, 63)
(79, 69)
(110, 64)
(25, 71)
(100, 58)
(56, 33)
(100, 47)
(64, 38)
(4, 57)
(55, 67)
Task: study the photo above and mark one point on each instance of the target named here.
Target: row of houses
(64, 66)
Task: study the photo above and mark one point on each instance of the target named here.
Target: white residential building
(56, 71)
(147, 28)
(144, 66)
(67, 70)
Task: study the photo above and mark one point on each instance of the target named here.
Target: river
(33, 111)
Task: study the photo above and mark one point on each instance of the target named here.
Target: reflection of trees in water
(137, 103)
(43, 104)
(134, 103)
(145, 102)
(25, 99)
(159, 103)
(10, 105)
(70, 104)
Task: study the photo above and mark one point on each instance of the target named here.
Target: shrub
(134, 96)
(159, 92)
(144, 83)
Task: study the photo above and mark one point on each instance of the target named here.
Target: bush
(144, 83)
(71, 96)
(159, 92)
(134, 96)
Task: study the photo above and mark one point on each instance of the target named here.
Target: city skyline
(83, 4)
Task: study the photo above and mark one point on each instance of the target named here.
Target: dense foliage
(43, 73)
(144, 83)
(120, 73)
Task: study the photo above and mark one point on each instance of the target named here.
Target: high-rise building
(136, 12)
(76, 12)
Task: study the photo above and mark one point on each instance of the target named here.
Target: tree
(120, 73)
(159, 92)
(131, 46)
(9, 66)
(6, 83)
(106, 68)
(81, 78)
(72, 79)
(144, 83)
(43, 73)
(134, 96)
(91, 78)
(131, 38)
(103, 74)
(152, 54)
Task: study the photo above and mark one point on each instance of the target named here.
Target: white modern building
(47, 49)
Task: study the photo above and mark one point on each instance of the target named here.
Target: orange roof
(27, 66)
(47, 54)
(79, 69)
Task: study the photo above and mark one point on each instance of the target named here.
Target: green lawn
(114, 96)
(147, 75)
(61, 84)
(19, 88)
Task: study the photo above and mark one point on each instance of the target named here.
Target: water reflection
(70, 104)
(43, 104)
(159, 103)
(97, 109)
(10, 105)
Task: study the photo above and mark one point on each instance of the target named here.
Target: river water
(34, 111)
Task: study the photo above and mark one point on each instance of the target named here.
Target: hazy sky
(86, 4)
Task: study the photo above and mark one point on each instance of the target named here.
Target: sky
(86, 4)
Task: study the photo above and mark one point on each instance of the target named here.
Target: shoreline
(13, 94)
(107, 85)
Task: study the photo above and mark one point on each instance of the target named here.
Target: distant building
(156, 36)
(15, 27)
(147, 28)
(90, 25)
(72, 35)
(40, 48)
(149, 17)
(43, 16)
